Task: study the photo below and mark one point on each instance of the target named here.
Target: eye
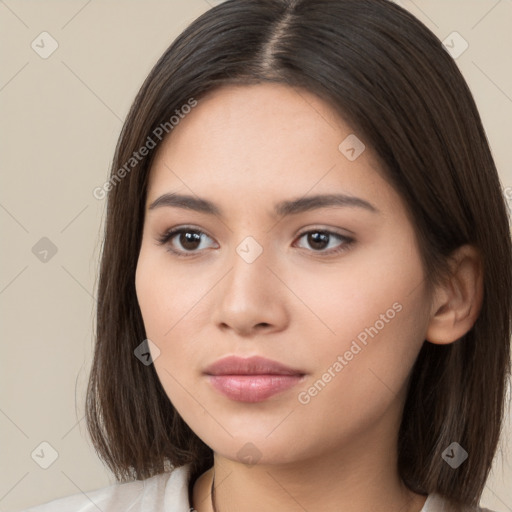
(320, 240)
(188, 240)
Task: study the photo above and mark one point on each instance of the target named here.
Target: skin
(246, 148)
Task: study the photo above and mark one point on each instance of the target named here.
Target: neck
(359, 477)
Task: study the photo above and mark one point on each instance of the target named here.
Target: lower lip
(252, 388)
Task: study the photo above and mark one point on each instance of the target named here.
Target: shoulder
(166, 491)
(436, 503)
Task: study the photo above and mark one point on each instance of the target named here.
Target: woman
(305, 289)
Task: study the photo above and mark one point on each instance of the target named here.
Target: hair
(392, 80)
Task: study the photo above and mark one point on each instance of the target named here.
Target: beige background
(60, 119)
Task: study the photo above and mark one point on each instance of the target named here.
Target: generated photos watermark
(356, 346)
(151, 142)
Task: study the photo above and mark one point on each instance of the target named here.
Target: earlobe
(458, 301)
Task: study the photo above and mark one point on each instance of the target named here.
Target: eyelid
(346, 240)
(170, 233)
(323, 229)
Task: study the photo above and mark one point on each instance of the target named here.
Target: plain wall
(60, 119)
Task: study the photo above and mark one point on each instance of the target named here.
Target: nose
(251, 299)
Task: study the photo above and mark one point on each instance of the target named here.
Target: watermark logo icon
(249, 249)
(454, 455)
(44, 250)
(147, 352)
(455, 45)
(44, 455)
(351, 147)
(44, 45)
(249, 454)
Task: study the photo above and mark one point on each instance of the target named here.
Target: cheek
(379, 315)
(371, 290)
(170, 301)
(363, 375)
(165, 295)
(166, 300)
(150, 294)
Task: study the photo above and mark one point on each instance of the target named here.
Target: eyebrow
(283, 208)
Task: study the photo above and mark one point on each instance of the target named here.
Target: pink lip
(251, 380)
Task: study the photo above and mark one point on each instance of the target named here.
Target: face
(291, 247)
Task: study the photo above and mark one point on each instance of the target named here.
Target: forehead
(266, 139)
(258, 111)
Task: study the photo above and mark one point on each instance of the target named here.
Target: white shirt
(166, 492)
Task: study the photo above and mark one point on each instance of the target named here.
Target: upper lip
(256, 365)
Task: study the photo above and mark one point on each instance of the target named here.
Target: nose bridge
(249, 273)
(249, 295)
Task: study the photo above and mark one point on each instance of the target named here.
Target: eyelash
(168, 235)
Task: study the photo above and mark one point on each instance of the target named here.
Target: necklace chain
(212, 492)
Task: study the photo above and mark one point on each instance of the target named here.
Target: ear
(457, 303)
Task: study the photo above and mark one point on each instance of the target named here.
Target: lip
(252, 379)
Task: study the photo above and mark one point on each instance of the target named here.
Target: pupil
(318, 240)
(190, 240)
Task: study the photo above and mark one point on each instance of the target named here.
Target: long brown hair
(391, 80)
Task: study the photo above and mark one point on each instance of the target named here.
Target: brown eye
(183, 240)
(320, 240)
(189, 240)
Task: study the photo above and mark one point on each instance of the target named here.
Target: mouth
(251, 379)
